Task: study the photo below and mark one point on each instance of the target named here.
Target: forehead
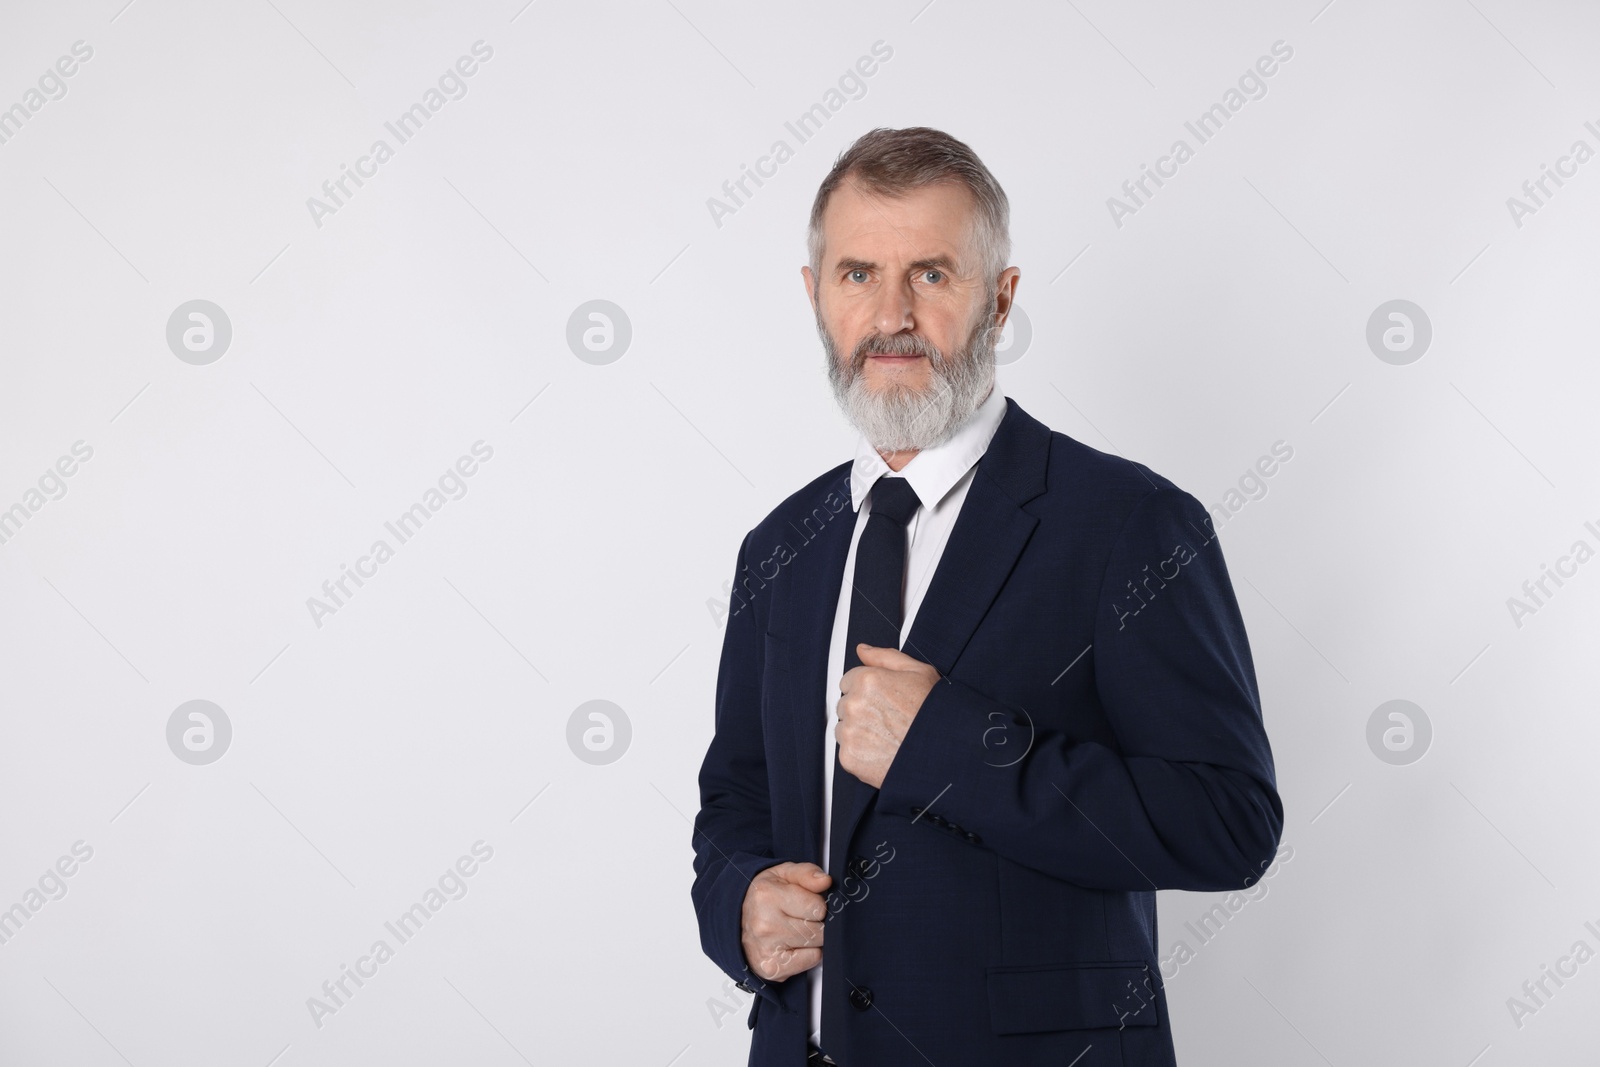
(933, 220)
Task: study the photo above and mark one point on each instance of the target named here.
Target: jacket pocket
(755, 1009)
(1071, 996)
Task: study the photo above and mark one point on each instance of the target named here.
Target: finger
(800, 903)
(893, 658)
(811, 877)
(796, 948)
(855, 679)
(801, 933)
(804, 873)
(784, 933)
(793, 963)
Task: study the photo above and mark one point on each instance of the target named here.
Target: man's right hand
(781, 926)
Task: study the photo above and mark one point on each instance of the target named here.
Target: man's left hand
(879, 700)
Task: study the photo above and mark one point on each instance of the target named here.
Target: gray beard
(898, 418)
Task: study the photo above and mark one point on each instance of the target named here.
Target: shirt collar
(934, 471)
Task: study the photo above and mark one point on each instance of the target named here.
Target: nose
(892, 314)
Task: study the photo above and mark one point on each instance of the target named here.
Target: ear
(1005, 294)
(811, 286)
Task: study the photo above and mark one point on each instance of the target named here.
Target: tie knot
(893, 498)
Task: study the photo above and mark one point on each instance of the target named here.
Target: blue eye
(933, 275)
(858, 271)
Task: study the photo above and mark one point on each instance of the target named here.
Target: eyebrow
(943, 262)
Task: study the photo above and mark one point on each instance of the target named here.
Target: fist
(878, 702)
(781, 926)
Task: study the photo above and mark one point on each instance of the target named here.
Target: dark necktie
(877, 611)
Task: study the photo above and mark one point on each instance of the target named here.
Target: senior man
(965, 730)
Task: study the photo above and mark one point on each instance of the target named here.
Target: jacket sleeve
(1183, 795)
(733, 829)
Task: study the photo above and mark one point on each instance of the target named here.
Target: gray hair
(894, 162)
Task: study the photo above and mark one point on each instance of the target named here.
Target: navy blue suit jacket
(1096, 735)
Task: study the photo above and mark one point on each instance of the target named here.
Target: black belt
(816, 1058)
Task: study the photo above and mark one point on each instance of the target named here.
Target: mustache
(901, 344)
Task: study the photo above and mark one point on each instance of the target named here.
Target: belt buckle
(815, 1055)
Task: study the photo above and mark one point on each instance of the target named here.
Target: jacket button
(860, 997)
(857, 866)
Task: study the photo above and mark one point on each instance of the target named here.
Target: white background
(586, 559)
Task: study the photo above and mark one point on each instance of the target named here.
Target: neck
(897, 460)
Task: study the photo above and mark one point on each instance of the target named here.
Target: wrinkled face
(907, 318)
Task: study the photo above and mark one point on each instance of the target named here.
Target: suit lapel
(818, 572)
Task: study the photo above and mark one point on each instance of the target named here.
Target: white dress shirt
(940, 476)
